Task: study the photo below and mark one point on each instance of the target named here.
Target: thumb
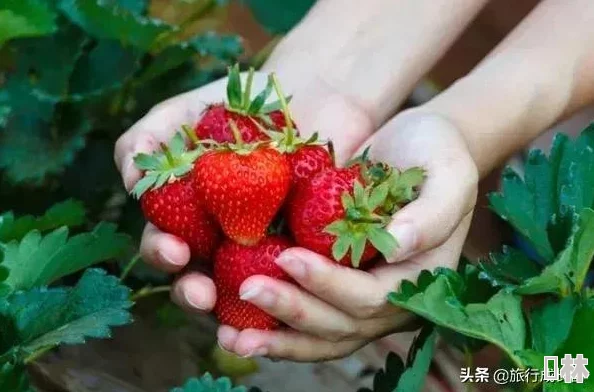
(450, 188)
(448, 195)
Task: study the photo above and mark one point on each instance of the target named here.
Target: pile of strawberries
(243, 186)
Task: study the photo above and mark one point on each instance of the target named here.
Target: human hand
(338, 309)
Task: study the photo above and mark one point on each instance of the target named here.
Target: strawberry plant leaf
(579, 341)
(279, 17)
(222, 47)
(550, 324)
(109, 21)
(29, 153)
(13, 378)
(68, 213)
(135, 6)
(39, 260)
(48, 317)
(568, 273)
(207, 383)
(516, 204)
(398, 377)
(510, 267)
(25, 18)
(442, 298)
(105, 67)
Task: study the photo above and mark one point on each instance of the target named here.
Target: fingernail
(167, 260)
(194, 298)
(258, 295)
(257, 352)
(406, 236)
(128, 167)
(292, 265)
(223, 347)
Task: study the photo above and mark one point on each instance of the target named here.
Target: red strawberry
(235, 263)
(245, 113)
(168, 198)
(306, 157)
(243, 186)
(341, 213)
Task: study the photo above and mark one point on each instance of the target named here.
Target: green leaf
(440, 299)
(68, 213)
(105, 68)
(25, 18)
(279, 17)
(32, 148)
(135, 6)
(48, 317)
(518, 206)
(550, 324)
(38, 260)
(378, 195)
(568, 272)
(224, 47)
(13, 378)
(109, 21)
(400, 378)
(510, 267)
(207, 383)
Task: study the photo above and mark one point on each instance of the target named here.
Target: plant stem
(148, 291)
(468, 363)
(284, 106)
(35, 355)
(236, 133)
(129, 266)
(191, 135)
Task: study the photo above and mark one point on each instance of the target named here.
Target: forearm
(372, 52)
(542, 72)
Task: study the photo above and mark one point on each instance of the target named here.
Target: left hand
(338, 309)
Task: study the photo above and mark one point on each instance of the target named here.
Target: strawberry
(214, 124)
(234, 263)
(243, 186)
(306, 157)
(168, 197)
(342, 213)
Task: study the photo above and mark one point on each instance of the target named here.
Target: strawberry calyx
(165, 166)
(239, 96)
(362, 223)
(238, 146)
(369, 210)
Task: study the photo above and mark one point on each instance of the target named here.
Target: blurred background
(67, 93)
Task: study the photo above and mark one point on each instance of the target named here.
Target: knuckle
(370, 309)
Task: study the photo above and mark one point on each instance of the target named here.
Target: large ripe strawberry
(243, 186)
(235, 263)
(342, 213)
(242, 111)
(168, 197)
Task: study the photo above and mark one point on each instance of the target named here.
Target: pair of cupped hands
(333, 310)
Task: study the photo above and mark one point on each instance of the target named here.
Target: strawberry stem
(236, 133)
(170, 159)
(284, 107)
(245, 104)
(191, 135)
(330, 145)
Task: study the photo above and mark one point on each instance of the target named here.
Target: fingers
(290, 345)
(163, 251)
(194, 292)
(358, 293)
(450, 189)
(298, 309)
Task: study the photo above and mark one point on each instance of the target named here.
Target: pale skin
(348, 68)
